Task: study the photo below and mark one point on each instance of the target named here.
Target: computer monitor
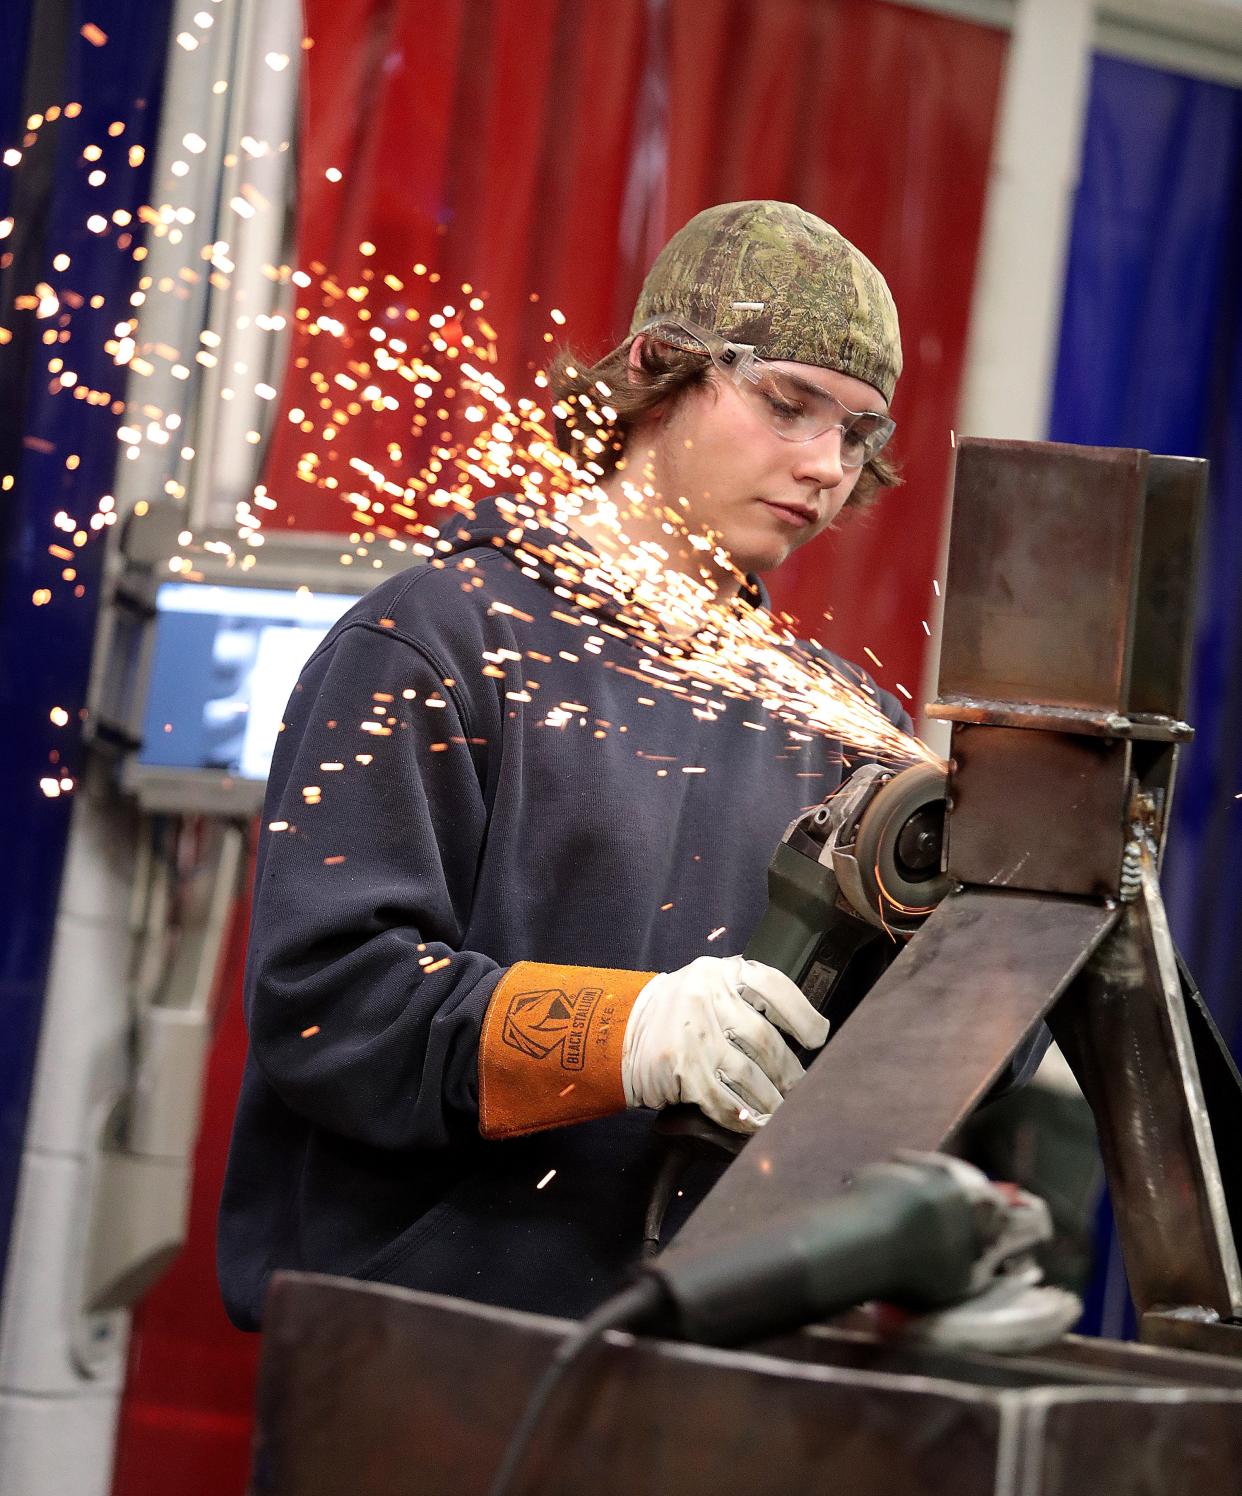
(192, 672)
(224, 662)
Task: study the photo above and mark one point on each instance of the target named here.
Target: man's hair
(596, 407)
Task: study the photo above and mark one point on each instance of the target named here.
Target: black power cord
(630, 1307)
(912, 1231)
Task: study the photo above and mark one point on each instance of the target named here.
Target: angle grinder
(863, 865)
(849, 883)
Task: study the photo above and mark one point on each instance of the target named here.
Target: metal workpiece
(1023, 625)
(1068, 611)
(1222, 1092)
(1043, 811)
(1165, 617)
(1097, 724)
(1126, 1033)
(1193, 1328)
(1030, 522)
(1053, 810)
(377, 1390)
(917, 1056)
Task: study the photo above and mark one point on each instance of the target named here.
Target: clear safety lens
(799, 412)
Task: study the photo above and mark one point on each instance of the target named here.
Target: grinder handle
(801, 899)
(801, 896)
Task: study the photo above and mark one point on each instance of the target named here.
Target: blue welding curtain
(45, 652)
(1151, 356)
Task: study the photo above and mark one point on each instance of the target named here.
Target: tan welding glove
(570, 1043)
(708, 1034)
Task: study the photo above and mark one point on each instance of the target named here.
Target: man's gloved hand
(707, 1034)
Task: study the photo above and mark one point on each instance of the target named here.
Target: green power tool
(849, 883)
(862, 869)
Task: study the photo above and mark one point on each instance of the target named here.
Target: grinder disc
(899, 843)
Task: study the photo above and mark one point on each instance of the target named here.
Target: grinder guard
(851, 880)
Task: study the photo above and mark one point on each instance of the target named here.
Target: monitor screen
(225, 661)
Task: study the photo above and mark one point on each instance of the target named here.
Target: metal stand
(1067, 630)
(1138, 1042)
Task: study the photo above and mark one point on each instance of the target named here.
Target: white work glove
(707, 1034)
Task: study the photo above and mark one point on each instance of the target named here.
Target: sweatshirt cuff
(550, 1051)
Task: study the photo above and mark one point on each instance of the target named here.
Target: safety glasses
(795, 408)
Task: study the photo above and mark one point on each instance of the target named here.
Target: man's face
(714, 457)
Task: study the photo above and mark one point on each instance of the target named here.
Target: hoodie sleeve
(364, 1009)
(367, 1013)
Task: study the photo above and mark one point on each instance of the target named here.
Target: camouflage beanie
(776, 277)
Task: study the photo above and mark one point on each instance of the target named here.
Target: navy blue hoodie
(474, 772)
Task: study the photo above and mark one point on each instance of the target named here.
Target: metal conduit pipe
(254, 220)
(173, 320)
(105, 1174)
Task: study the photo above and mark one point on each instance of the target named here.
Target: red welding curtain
(512, 143)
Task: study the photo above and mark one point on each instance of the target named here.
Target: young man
(483, 957)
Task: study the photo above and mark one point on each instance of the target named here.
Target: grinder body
(849, 882)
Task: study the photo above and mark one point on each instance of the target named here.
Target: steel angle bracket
(933, 1036)
(1164, 1093)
